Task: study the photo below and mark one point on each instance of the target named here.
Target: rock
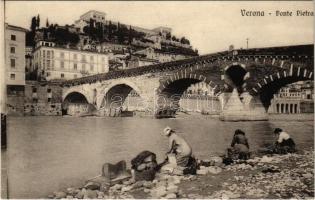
(90, 194)
(126, 188)
(148, 184)
(138, 184)
(214, 170)
(69, 197)
(60, 195)
(92, 185)
(51, 196)
(266, 159)
(146, 190)
(79, 195)
(216, 160)
(202, 171)
(158, 192)
(307, 175)
(72, 191)
(116, 187)
(172, 189)
(171, 196)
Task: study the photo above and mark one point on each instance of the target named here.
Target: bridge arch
(115, 94)
(171, 90)
(75, 97)
(266, 87)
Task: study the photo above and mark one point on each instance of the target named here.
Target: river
(46, 154)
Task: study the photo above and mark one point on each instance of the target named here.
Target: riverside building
(295, 98)
(55, 62)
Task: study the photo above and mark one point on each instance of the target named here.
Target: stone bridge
(244, 81)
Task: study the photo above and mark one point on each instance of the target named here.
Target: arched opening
(268, 91)
(122, 100)
(235, 77)
(76, 103)
(186, 94)
(289, 94)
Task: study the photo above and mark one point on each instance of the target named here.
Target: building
(96, 16)
(200, 88)
(15, 55)
(159, 55)
(54, 62)
(135, 62)
(294, 98)
(15, 68)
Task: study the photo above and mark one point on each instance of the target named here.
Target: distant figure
(178, 146)
(240, 147)
(284, 143)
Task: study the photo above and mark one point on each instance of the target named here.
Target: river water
(46, 154)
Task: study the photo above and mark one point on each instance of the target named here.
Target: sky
(211, 26)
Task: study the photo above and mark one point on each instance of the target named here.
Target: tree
(47, 23)
(33, 24)
(169, 36)
(38, 21)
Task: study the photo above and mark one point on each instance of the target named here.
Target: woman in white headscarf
(178, 146)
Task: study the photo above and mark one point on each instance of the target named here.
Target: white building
(64, 63)
(15, 55)
(84, 20)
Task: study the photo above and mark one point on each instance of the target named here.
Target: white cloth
(283, 136)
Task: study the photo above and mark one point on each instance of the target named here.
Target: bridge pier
(246, 108)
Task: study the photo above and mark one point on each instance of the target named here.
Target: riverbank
(277, 176)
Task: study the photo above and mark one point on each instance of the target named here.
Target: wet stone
(60, 195)
(92, 186)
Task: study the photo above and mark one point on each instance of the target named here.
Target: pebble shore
(277, 176)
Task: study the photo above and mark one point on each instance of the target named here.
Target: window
(12, 76)
(12, 63)
(75, 66)
(13, 37)
(35, 100)
(62, 75)
(12, 49)
(83, 57)
(91, 67)
(62, 54)
(62, 65)
(34, 89)
(75, 56)
(48, 74)
(91, 57)
(75, 76)
(83, 67)
(48, 100)
(48, 54)
(48, 90)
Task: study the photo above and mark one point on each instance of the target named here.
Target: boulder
(60, 195)
(216, 160)
(126, 188)
(202, 171)
(69, 197)
(214, 170)
(158, 192)
(171, 196)
(148, 184)
(307, 175)
(172, 189)
(92, 185)
(90, 194)
(51, 196)
(138, 184)
(79, 195)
